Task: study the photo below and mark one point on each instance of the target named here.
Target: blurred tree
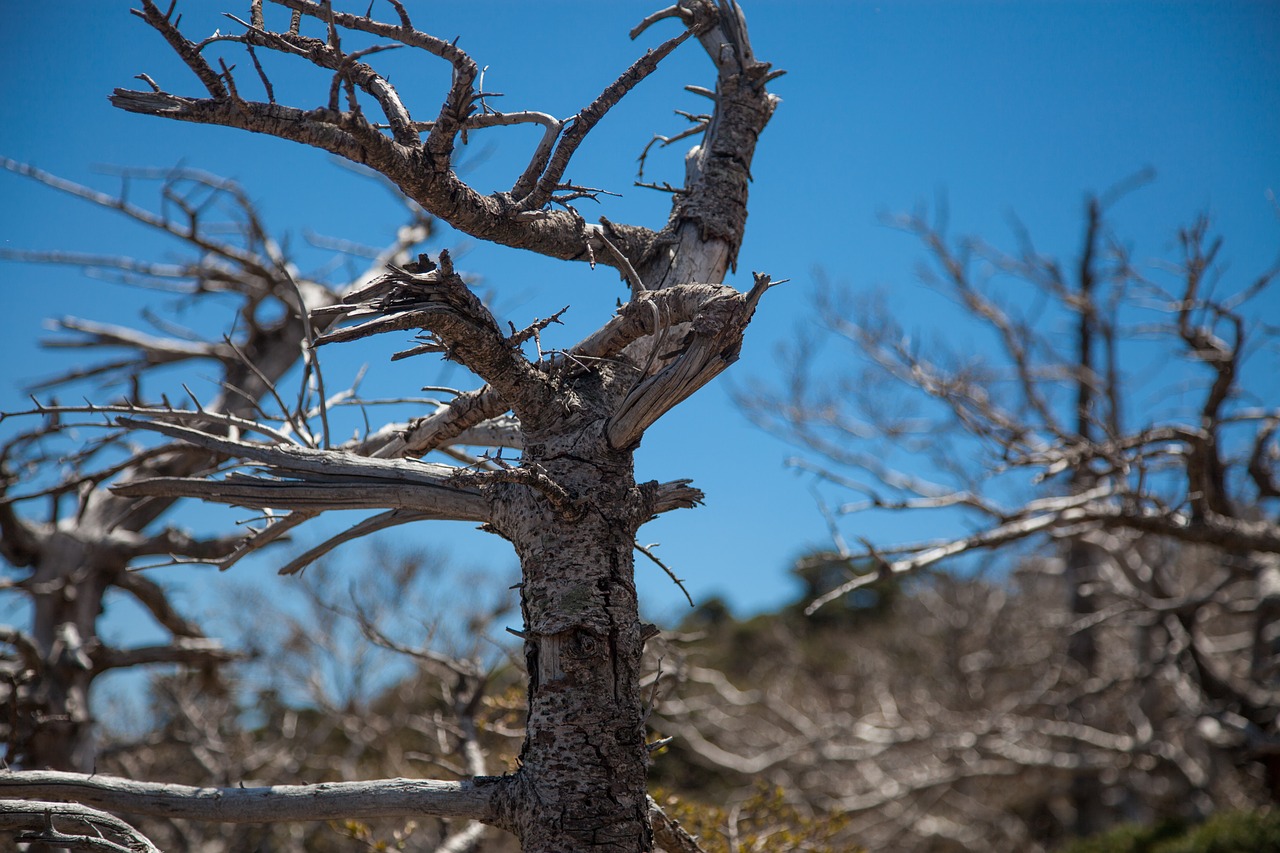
(369, 673)
(1118, 438)
(820, 571)
(61, 522)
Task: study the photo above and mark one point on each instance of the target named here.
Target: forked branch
(423, 169)
(71, 826)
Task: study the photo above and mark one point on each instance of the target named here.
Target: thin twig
(646, 550)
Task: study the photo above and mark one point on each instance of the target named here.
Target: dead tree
(347, 685)
(80, 547)
(1123, 419)
(569, 503)
(957, 720)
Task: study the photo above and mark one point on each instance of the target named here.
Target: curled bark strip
(711, 345)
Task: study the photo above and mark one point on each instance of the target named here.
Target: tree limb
(276, 804)
(100, 832)
(193, 651)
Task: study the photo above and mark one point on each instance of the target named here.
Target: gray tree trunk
(67, 592)
(581, 783)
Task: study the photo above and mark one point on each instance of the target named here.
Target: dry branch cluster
(1117, 442)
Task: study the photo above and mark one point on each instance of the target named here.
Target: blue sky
(1003, 107)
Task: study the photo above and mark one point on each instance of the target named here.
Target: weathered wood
(569, 504)
(277, 803)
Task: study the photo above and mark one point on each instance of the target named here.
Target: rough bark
(581, 784)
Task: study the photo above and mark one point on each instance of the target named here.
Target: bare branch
(276, 804)
(186, 232)
(153, 597)
(402, 158)
(712, 344)
(589, 117)
(382, 521)
(439, 301)
(192, 651)
(670, 836)
(91, 830)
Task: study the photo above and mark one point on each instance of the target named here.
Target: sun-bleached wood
(569, 503)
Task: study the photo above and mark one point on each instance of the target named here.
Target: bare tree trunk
(583, 764)
(1265, 663)
(1082, 650)
(67, 593)
(1081, 558)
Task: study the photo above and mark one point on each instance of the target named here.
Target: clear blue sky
(1005, 107)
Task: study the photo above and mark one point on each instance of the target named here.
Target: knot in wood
(698, 15)
(582, 644)
(720, 313)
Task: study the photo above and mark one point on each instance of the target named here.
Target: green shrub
(763, 823)
(1230, 832)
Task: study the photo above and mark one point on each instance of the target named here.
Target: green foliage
(1229, 832)
(811, 643)
(370, 839)
(820, 572)
(1129, 838)
(765, 822)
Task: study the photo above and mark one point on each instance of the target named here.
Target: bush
(1230, 832)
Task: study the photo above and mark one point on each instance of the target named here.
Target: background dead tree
(1118, 423)
(386, 669)
(942, 723)
(569, 503)
(69, 538)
